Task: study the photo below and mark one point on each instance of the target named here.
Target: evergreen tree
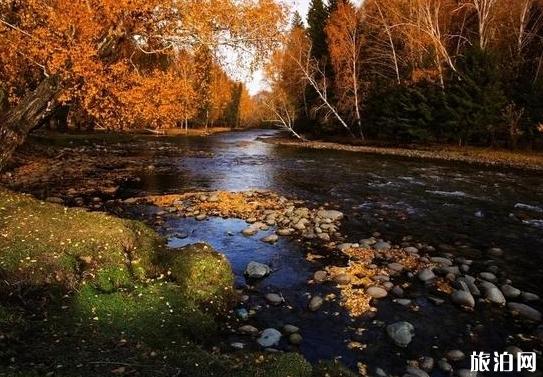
(297, 21)
(233, 112)
(316, 20)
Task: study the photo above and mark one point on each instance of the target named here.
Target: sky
(256, 82)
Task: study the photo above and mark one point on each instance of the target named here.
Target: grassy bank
(471, 155)
(87, 294)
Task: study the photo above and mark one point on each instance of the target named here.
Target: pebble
(416, 372)
(343, 279)
(528, 296)
(426, 275)
(401, 333)
(466, 373)
(242, 314)
(315, 303)
(377, 292)
(256, 270)
(291, 329)
(248, 330)
(455, 355)
(269, 338)
(427, 363)
(493, 294)
(411, 250)
(272, 238)
(330, 214)
(396, 267)
(463, 298)
(509, 291)
(382, 246)
(237, 345)
(525, 311)
(201, 217)
(250, 231)
(488, 276)
(320, 276)
(295, 339)
(495, 252)
(444, 365)
(397, 291)
(442, 261)
(403, 301)
(284, 232)
(274, 298)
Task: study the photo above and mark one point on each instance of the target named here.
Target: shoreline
(468, 155)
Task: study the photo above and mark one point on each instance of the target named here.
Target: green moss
(281, 365)
(203, 275)
(331, 369)
(43, 244)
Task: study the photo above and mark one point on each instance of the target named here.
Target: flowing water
(472, 207)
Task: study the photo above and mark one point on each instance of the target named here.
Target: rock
(426, 275)
(250, 231)
(242, 314)
(344, 246)
(320, 276)
(446, 262)
(377, 292)
(466, 373)
(284, 232)
(248, 330)
(255, 270)
(380, 373)
(411, 250)
(315, 303)
(274, 298)
(237, 345)
(330, 214)
(524, 311)
(401, 333)
(396, 267)
(416, 372)
(488, 276)
(295, 339)
(509, 291)
(55, 200)
(436, 300)
(397, 291)
(528, 296)
(269, 338)
(403, 301)
(427, 363)
(455, 355)
(444, 365)
(324, 236)
(463, 298)
(272, 238)
(493, 294)
(291, 329)
(495, 252)
(343, 279)
(382, 246)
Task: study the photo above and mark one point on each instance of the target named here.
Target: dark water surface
(435, 202)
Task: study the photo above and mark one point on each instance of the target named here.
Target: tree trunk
(18, 122)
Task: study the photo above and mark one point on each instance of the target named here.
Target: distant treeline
(445, 71)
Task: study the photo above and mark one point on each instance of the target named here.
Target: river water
(471, 208)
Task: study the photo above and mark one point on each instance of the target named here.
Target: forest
(437, 71)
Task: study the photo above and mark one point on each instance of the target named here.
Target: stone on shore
(377, 292)
(256, 270)
(463, 298)
(525, 311)
(330, 214)
(401, 333)
(269, 338)
(315, 303)
(426, 275)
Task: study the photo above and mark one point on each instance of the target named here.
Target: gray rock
(426, 275)
(444, 365)
(330, 214)
(411, 250)
(427, 363)
(463, 298)
(466, 373)
(403, 301)
(272, 238)
(269, 338)
(248, 330)
(528, 296)
(416, 372)
(320, 276)
(396, 267)
(455, 355)
(495, 252)
(242, 314)
(488, 276)
(509, 291)
(201, 217)
(397, 291)
(401, 333)
(525, 311)
(250, 231)
(315, 303)
(256, 270)
(493, 294)
(344, 246)
(382, 246)
(380, 372)
(284, 231)
(237, 345)
(274, 298)
(377, 292)
(441, 261)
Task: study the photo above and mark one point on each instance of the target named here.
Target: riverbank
(469, 155)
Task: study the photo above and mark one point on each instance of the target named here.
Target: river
(470, 208)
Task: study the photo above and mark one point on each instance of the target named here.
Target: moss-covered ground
(88, 294)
